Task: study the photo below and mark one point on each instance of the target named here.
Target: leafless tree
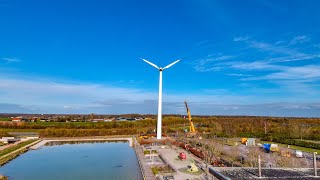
(252, 155)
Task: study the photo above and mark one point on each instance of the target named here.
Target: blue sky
(237, 57)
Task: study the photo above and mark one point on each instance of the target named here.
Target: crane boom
(192, 129)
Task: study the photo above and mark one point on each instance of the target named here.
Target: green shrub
(296, 142)
(148, 152)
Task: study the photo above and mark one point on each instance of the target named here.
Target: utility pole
(315, 163)
(265, 127)
(259, 165)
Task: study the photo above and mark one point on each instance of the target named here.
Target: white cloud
(273, 48)
(290, 71)
(274, 53)
(34, 95)
(239, 75)
(53, 96)
(294, 58)
(299, 40)
(279, 42)
(10, 60)
(205, 69)
(70, 107)
(205, 64)
(240, 38)
(256, 65)
(283, 52)
(310, 72)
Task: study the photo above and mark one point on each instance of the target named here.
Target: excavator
(192, 132)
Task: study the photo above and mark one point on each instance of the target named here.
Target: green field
(10, 149)
(19, 130)
(317, 142)
(4, 119)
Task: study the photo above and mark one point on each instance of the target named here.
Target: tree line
(269, 128)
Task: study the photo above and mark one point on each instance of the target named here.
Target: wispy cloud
(256, 65)
(297, 57)
(52, 96)
(34, 95)
(201, 43)
(299, 40)
(239, 75)
(273, 48)
(68, 107)
(271, 54)
(282, 49)
(310, 72)
(198, 108)
(277, 53)
(288, 66)
(240, 38)
(201, 65)
(10, 60)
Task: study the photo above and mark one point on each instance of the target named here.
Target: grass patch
(20, 130)
(3, 177)
(4, 119)
(304, 149)
(185, 170)
(148, 152)
(317, 142)
(231, 143)
(10, 149)
(161, 169)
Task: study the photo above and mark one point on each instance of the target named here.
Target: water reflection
(57, 143)
(76, 160)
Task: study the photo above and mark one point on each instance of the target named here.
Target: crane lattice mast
(192, 129)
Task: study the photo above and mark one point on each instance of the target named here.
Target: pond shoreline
(47, 140)
(101, 140)
(12, 155)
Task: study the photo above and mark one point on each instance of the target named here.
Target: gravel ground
(171, 156)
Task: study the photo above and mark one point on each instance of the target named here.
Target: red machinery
(182, 156)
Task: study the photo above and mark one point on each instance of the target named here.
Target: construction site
(192, 155)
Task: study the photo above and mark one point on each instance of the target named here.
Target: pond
(80, 160)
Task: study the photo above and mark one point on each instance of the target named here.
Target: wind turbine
(159, 122)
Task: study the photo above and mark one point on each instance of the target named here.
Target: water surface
(81, 161)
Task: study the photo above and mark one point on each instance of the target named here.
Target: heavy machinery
(144, 136)
(182, 156)
(192, 131)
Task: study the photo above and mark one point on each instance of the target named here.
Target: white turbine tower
(159, 122)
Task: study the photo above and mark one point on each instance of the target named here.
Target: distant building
(8, 140)
(18, 119)
(251, 142)
(97, 120)
(131, 119)
(24, 135)
(121, 119)
(34, 119)
(108, 120)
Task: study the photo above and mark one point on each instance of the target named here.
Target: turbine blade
(150, 63)
(171, 64)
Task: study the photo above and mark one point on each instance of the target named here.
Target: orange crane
(192, 129)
